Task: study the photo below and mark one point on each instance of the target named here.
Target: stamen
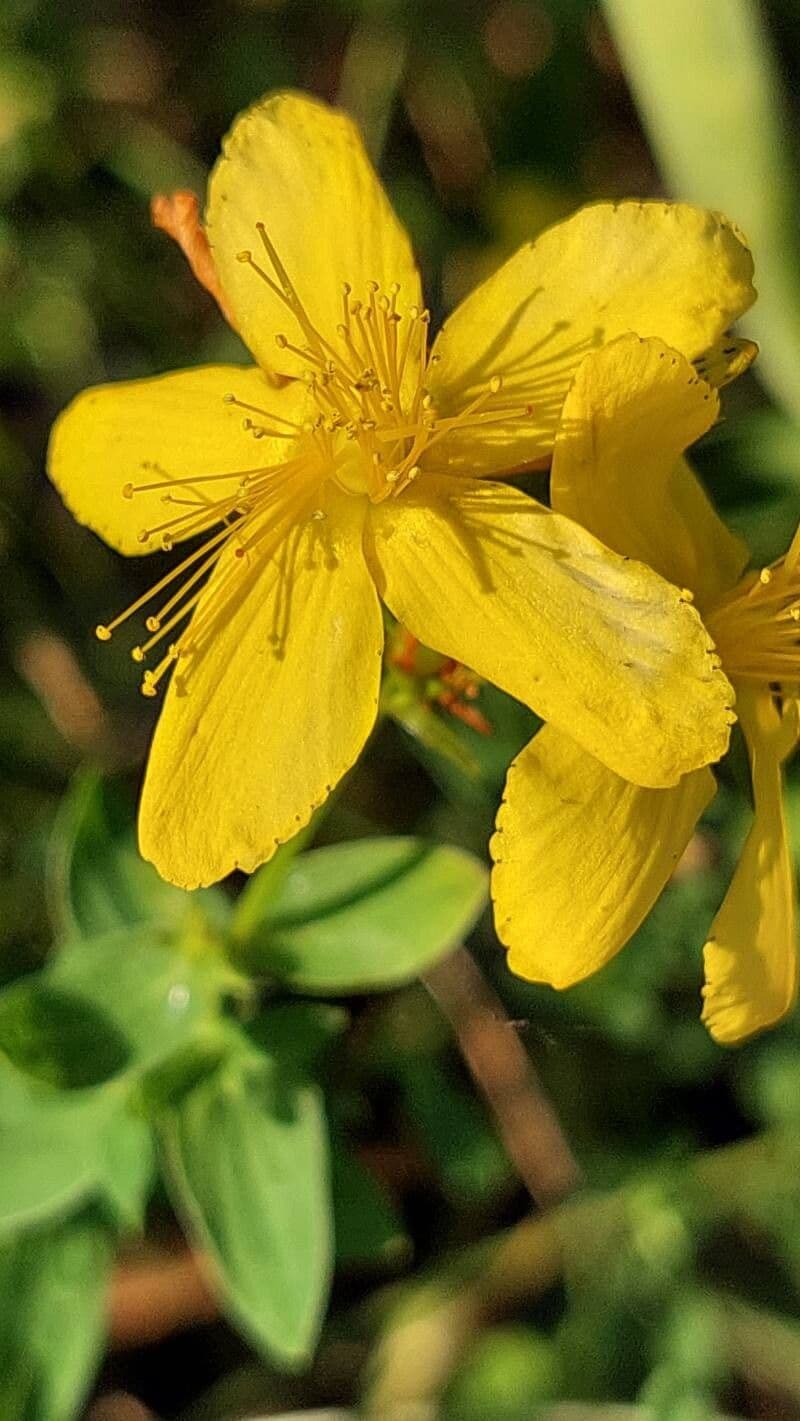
(256, 409)
(375, 422)
(756, 625)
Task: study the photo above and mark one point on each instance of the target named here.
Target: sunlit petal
(272, 708)
(118, 450)
(580, 857)
(633, 408)
(750, 957)
(601, 646)
(299, 167)
(655, 268)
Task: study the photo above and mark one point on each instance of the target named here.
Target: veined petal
(580, 857)
(601, 646)
(300, 168)
(655, 268)
(171, 430)
(750, 957)
(272, 709)
(632, 409)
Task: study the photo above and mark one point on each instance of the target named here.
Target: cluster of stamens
(369, 388)
(371, 419)
(757, 626)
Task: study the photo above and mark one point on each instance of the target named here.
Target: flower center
(757, 626)
(372, 421)
(369, 382)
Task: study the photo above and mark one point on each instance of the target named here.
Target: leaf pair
(146, 1042)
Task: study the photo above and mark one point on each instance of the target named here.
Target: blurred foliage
(160, 1076)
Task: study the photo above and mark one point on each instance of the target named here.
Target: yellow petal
(603, 647)
(632, 409)
(300, 168)
(174, 427)
(750, 958)
(655, 268)
(580, 857)
(274, 708)
(726, 360)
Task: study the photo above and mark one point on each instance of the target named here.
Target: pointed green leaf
(126, 1170)
(60, 1148)
(48, 1149)
(53, 1285)
(56, 1037)
(247, 1162)
(368, 915)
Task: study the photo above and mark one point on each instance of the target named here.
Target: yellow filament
(757, 625)
(375, 421)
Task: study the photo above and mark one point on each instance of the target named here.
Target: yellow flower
(369, 477)
(580, 853)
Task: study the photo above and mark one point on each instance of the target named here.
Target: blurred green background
(670, 1284)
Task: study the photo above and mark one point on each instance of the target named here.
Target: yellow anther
(102, 633)
(127, 491)
(137, 654)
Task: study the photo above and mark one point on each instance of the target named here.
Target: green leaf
(49, 1150)
(61, 1148)
(367, 1226)
(155, 995)
(247, 1162)
(56, 1037)
(368, 915)
(127, 1167)
(261, 889)
(52, 1318)
(711, 98)
(97, 879)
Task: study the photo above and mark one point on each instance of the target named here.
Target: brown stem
(502, 1070)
